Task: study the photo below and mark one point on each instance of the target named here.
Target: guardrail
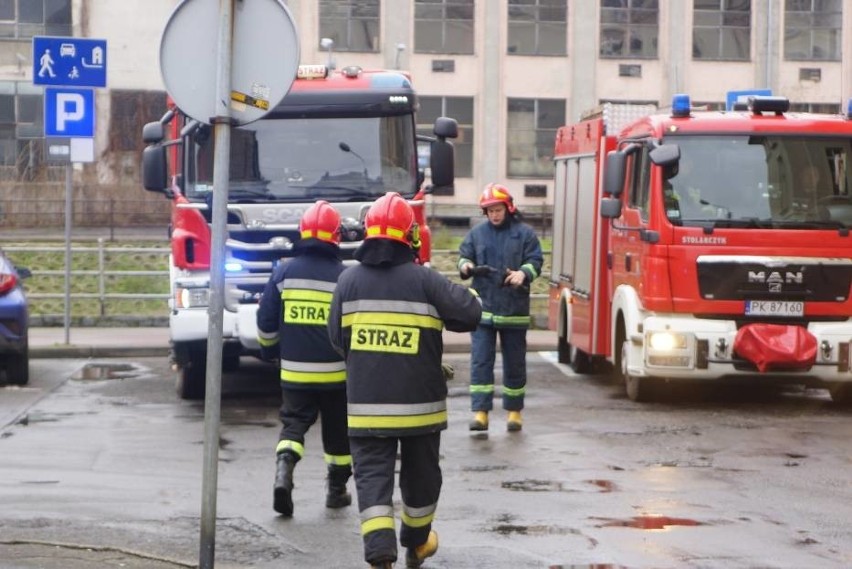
(104, 276)
(100, 273)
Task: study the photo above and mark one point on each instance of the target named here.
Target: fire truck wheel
(841, 394)
(581, 362)
(639, 389)
(563, 350)
(192, 376)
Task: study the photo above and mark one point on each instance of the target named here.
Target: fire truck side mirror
(446, 127)
(665, 155)
(154, 168)
(613, 183)
(610, 208)
(153, 132)
(442, 163)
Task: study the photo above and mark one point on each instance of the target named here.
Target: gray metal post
(213, 396)
(69, 190)
(101, 277)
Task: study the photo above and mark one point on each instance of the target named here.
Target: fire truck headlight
(669, 349)
(233, 267)
(666, 341)
(192, 297)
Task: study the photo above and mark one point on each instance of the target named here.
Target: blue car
(14, 323)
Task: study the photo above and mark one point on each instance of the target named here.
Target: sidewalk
(143, 342)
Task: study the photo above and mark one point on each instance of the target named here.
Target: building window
(352, 24)
(21, 132)
(721, 30)
(530, 133)
(129, 110)
(459, 108)
(812, 30)
(538, 27)
(443, 26)
(629, 28)
(28, 18)
(825, 108)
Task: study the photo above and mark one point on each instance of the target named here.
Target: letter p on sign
(69, 112)
(69, 108)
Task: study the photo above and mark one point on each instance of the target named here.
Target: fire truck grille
(748, 279)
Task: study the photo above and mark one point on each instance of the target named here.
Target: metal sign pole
(69, 190)
(221, 176)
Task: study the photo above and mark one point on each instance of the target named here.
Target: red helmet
(390, 217)
(494, 194)
(321, 221)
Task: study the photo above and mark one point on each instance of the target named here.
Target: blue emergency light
(849, 109)
(681, 105)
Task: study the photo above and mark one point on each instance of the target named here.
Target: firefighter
(387, 317)
(503, 256)
(292, 327)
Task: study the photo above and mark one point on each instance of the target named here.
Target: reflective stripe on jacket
(388, 321)
(292, 320)
(514, 245)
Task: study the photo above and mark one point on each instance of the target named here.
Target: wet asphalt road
(101, 466)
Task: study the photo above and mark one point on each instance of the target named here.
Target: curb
(76, 352)
(79, 352)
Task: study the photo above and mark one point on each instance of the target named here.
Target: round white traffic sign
(264, 59)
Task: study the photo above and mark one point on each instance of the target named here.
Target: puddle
(532, 485)
(604, 485)
(486, 468)
(648, 522)
(98, 371)
(590, 566)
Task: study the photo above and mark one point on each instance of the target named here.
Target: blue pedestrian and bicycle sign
(69, 61)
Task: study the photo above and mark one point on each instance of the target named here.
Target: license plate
(774, 308)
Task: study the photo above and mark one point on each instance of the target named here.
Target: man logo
(775, 281)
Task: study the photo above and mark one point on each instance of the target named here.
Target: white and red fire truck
(345, 136)
(702, 246)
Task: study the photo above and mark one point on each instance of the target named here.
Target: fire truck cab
(345, 136)
(694, 245)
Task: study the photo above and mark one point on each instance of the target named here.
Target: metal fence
(47, 285)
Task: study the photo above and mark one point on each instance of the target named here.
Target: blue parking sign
(69, 112)
(69, 61)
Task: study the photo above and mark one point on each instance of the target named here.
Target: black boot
(337, 496)
(283, 502)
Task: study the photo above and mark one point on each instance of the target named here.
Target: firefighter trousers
(420, 481)
(513, 345)
(300, 409)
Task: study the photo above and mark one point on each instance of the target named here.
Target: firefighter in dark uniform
(387, 317)
(292, 327)
(510, 253)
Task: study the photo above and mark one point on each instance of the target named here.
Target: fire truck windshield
(335, 159)
(764, 181)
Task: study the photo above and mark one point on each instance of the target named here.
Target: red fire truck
(345, 136)
(702, 246)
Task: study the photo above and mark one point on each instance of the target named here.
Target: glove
(449, 371)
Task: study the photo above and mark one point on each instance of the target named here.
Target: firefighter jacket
(293, 314)
(387, 317)
(511, 245)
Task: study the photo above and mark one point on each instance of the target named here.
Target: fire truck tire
(581, 362)
(638, 389)
(563, 349)
(192, 376)
(841, 394)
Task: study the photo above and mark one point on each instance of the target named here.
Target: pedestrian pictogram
(46, 65)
